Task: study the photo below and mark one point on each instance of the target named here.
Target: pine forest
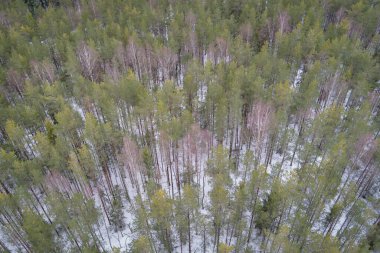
(189, 126)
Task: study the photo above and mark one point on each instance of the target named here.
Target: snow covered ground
(122, 239)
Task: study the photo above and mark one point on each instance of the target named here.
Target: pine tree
(212, 125)
(161, 211)
(39, 233)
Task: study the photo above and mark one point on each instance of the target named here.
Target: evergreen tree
(151, 126)
(39, 233)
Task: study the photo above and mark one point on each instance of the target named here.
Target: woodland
(224, 126)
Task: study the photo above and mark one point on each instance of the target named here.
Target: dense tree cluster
(189, 126)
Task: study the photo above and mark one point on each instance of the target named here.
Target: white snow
(297, 79)
(77, 108)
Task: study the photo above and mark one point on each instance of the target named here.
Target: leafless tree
(56, 181)
(283, 22)
(259, 120)
(365, 148)
(4, 19)
(129, 157)
(88, 59)
(149, 62)
(219, 50)
(135, 54)
(191, 41)
(355, 30)
(196, 145)
(121, 57)
(375, 101)
(167, 61)
(94, 9)
(246, 32)
(141, 58)
(340, 15)
(74, 14)
(112, 71)
(43, 71)
(15, 82)
(332, 91)
(77, 6)
(165, 153)
(267, 32)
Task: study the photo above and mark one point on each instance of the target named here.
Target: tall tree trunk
(189, 230)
